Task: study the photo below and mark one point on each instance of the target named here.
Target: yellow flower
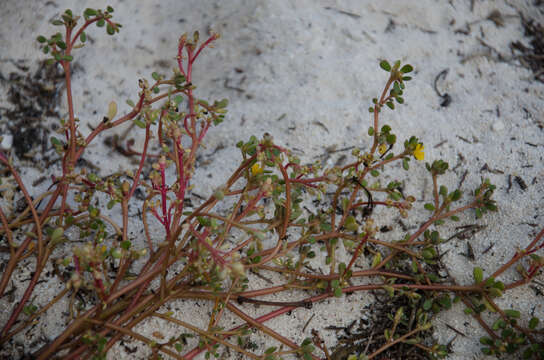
(382, 149)
(418, 152)
(256, 169)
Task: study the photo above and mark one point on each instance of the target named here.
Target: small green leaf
(57, 22)
(390, 105)
(325, 227)
(391, 138)
(427, 304)
(406, 69)
(385, 65)
(155, 76)
(68, 57)
(55, 141)
(89, 12)
(140, 123)
(338, 292)
(533, 323)
(512, 313)
(376, 260)
(405, 164)
(222, 104)
(126, 244)
(110, 204)
(110, 29)
(371, 130)
(57, 234)
(83, 37)
(100, 22)
(429, 206)
(109, 9)
(112, 110)
(478, 274)
(41, 39)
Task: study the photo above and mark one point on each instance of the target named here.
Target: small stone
(7, 142)
(497, 126)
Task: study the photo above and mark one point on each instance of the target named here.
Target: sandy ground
(305, 72)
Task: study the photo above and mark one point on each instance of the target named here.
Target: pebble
(7, 142)
(497, 126)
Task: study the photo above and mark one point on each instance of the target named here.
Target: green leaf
(83, 37)
(68, 57)
(110, 204)
(109, 9)
(112, 110)
(456, 195)
(374, 173)
(222, 104)
(41, 39)
(376, 260)
(155, 76)
(391, 138)
(325, 227)
(140, 123)
(429, 206)
(110, 29)
(512, 313)
(57, 234)
(100, 22)
(533, 323)
(338, 292)
(371, 129)
(89, 12)
(57, 22)
(351, 224)
(390, 105)
(55, 141)
(405, 164)
(406, 69)
(178, 99)
(478, 274)
(427, 304)
(126, 244)
(385, 65)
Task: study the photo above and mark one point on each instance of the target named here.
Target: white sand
(305, 63)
